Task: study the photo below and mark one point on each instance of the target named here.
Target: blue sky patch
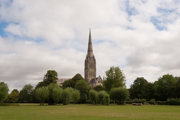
(159, 24)
(130, 10)
(3, 25)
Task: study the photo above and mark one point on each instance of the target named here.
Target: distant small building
(96, 82)
(61, 80)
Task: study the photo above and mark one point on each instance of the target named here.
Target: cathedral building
(90, 66)
(89, 69)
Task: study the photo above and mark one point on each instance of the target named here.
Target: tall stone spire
(90, 62)
(90, 49)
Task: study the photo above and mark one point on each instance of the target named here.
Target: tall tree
(3, 91)
(139, 88)
(177, 87)
(13, 96)
(119, 95)
(42, 94)
(26, 94)
(53, 91)
(50, 77)
(164, 87)
(114, 78)
(72, 82)
(83, 88)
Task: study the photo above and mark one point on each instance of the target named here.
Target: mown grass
(89, 112)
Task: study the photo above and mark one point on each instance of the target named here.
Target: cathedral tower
(90, 63)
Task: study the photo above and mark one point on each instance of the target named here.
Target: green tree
(40, 84)
(3, 91)
(67, 83)
(138, 88)
(114, 78)
(50, 77)
(42, 94)
(98, 88)
(83, 88)
(93, 95)
(103, 98)
(72, 82)
(164, 87)
(51, 96)
(57, 94)
(13, 96)
(26, 94)
(177, 88)
(66, 96)
(75, 96)
(119, 95)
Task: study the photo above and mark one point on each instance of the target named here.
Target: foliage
(56, 94)
(50, 77)
(13, 96)
(114, 78)
(66, 96)
(83, 88)
(164, 87)
(141, 89)
(119, 95)
(51, 98)
(173, 101)
(139, 101)
(3, 91)
(103, 98)
(152, 101)
(98, 88)
(42, 94)
(93, 95)
(67, 83)
(40, 84)
(26, 94)
(75, 96)
(177, 88)
(72, 82)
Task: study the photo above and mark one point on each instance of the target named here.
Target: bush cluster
(173, 101)
(119, 95)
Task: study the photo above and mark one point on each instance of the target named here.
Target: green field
(89, 112)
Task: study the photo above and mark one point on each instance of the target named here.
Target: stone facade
(90, 65)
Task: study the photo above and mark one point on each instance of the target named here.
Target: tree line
(166, 90)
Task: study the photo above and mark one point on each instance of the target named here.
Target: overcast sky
(142, 37)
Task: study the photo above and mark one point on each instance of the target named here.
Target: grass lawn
(89, 112)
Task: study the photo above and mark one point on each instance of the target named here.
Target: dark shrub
(98, 88)
(152, 101)
(42, 94)
(83, 88)
(3, 91)
(161, 102)
(119, 95)
(66, 96)
(173, 101)
(75, 96)
(93, 95)
(139, 101)
(103, 98)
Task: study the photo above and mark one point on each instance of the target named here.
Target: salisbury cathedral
(89, 68)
